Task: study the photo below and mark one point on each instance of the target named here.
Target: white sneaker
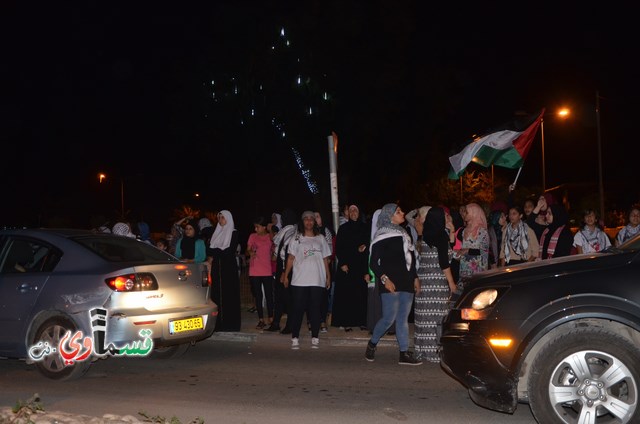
(315, 343)
(295, 344)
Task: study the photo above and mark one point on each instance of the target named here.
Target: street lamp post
(600, 185)
(333, 178)
(102, 177)
(122, 196)
(544, 176)
(562, 113)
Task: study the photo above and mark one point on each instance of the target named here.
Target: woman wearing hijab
(496, 225)
(350, 293)
(122, 229)
(190, 247)
(225, 282)
(206, 229)
(276, 220)
(455, 226)
(282, 294)
(437, 285)
(394, 265)
(474, 254)
(556, 239)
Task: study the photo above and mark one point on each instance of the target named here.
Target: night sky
(174, 99)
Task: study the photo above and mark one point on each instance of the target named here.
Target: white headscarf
(122, 229)
(387, 229)
(221, 238)
(278, 220)
(374, 222)
(204, 223)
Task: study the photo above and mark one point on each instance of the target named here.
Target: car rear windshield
(122, 249)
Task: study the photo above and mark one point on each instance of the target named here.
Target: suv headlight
(479, 306)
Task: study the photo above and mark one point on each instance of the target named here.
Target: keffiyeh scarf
(387, 229)
(518, 239)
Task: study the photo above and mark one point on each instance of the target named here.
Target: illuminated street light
(562, 113)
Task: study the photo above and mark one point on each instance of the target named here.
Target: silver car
(71, 297)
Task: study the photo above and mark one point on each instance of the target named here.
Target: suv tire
(589, 374)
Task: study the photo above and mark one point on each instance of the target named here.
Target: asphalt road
(253, 377)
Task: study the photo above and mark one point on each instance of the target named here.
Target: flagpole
(517, 175)
(493, 185)
(544, 177)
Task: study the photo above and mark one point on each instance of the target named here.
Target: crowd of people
(375, 274)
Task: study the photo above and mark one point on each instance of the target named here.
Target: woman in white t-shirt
(309, 260)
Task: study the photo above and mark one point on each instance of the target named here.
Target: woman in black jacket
(557, 239)
(393, 263)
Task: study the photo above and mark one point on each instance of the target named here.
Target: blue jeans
(395, 307)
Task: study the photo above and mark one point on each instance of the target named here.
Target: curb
(238, 336)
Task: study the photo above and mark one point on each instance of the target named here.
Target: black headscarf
(350, 235)
(188, 244)
(560, 218)
(434, 233)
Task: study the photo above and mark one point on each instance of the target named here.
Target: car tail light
(143, 281)
(206, 278)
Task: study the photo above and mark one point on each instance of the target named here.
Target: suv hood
(558, 266)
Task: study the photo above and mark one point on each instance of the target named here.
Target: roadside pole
(333, 177)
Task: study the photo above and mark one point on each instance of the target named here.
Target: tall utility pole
(333, 179)
(122, 196)
(544, 176)
(600, 185)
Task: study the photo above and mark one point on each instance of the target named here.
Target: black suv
(562, 335)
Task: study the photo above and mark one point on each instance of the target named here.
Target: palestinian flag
(507, 146)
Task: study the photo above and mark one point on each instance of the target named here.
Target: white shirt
(308, 265)
(591, 241)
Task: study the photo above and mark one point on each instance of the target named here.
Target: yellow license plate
(188, 324)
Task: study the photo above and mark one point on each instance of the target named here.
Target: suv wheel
(587, 375)
(53, 366)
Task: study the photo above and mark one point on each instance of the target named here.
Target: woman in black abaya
(225, 282)
(556, 239)
(350, 293)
